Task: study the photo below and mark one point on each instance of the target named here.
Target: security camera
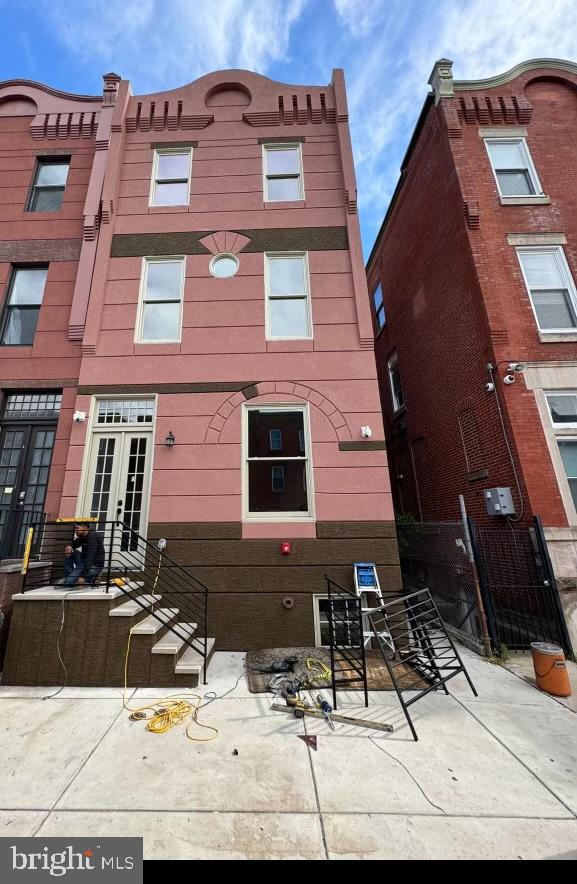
(489, 388)
(79, 416)
(516, 366)
(509, 379)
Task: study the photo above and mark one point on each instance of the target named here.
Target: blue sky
(387, 48)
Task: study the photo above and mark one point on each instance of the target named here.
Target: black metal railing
(140, 568)
(346, 639)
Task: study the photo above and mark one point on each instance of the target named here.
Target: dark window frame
(51, 160)
(7, 308)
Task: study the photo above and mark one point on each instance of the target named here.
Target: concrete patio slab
(456, 767)
(135, 769)
(550, 752)
(20, 823)
(373, 836)
(209, 835)
(521, 665)
(44, 744)
(493, 682)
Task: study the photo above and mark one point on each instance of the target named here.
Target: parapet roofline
(559, 64)
(58, 93)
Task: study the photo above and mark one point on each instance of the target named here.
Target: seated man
(84, 557)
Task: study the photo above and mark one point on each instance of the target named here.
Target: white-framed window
(568, 452)
(170, 185)
(160, 307)
(287, 291)
(397, 396)
(551, 287)
(346, 622)
(282, 172)
(513, 167)
(276, 486)
(379, 307)
(562, 408)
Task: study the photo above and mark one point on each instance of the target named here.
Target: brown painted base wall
(249, 579)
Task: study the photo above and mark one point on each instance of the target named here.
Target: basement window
(277, 486)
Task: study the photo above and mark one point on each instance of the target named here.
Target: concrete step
(154, 622)
(172, 643)
(192, 661)
(129, 609)
(131, 585)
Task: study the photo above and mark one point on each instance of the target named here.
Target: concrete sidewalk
(493, 777)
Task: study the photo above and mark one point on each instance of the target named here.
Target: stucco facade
(229, 349)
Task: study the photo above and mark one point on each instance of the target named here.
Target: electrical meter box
(499, 502)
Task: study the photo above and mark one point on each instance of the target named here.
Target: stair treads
(129, 609)
(192, 661)
(151, 624)
(172, 643)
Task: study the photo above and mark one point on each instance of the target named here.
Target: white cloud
(161, 44)
(387, 78)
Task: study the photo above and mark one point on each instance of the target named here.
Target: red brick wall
(455, 299)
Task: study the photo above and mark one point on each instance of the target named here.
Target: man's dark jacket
(92, 549)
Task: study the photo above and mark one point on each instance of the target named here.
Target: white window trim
(393, 361)
(299, 516)
(138, 339)
(526, 154)
(553, 432)
(571, 425)
(298, 296)
(567, 278)
(94, 430)
(320, 597)
(289, 145)
(153, 182)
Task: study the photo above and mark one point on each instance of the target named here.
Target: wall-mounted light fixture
(366, 432)
(170, 440)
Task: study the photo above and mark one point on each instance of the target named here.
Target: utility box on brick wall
(499, 502)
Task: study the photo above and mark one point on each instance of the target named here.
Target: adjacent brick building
(205, 288)
(476, 264)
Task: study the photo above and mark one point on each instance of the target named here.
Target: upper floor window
(550, 286)
(513, 167)
(563, 408)
(22, 307)
(379, 307)
(275, 440)
(171, 177)
(288, 314)
(161, 293)
(49, 183)
(395, 382)
(283, 179)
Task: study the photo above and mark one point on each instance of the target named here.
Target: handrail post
(110, 548)
(205, 635)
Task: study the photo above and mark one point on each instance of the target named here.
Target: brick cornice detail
(491, 109)
(296, 390)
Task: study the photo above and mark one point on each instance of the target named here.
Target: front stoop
(95, 639)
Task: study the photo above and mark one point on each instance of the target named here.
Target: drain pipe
(471, 557)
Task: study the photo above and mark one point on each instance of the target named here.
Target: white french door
(118, 478)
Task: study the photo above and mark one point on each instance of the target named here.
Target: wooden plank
(342, 719)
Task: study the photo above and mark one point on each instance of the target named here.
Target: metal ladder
(367, 586)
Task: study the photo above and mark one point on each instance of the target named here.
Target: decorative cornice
(558, 64)
(70, 96)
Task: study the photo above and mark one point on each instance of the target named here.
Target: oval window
(223, 266)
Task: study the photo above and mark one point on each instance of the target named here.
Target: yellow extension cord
(169, 711)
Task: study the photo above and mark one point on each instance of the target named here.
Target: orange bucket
(550, 669)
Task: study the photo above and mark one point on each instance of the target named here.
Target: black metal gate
(517, 584)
